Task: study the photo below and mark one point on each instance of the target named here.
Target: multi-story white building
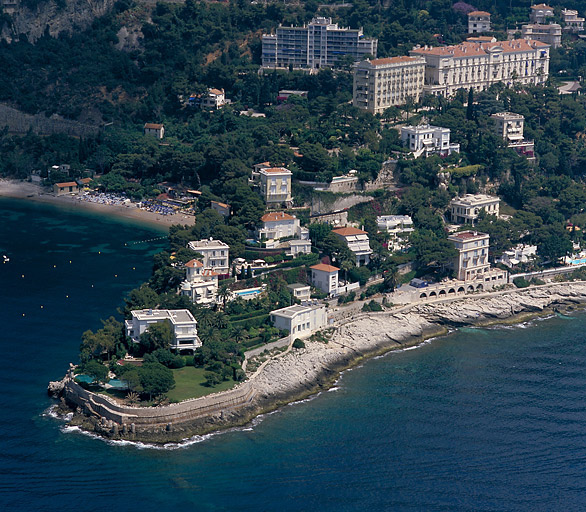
(183, 323)
(540, 12)
(472, 260)
(509, 126)
(278, 225)
(478, 22)
(382, 83)
(213, 100)
(465, 209)
(477, 66)
(357, 241)
(426, 140)
(572, 22)
(398, 226)
(201, 284)
(300, 321)
(314, 46)
(325, 278)
(550, 34)
(519, 254)
(300, 291)
(215, 254)
(275, 185)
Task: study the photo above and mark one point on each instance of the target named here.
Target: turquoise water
(484, 419)
(84, 378)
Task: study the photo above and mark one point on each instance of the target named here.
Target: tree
(158, 335)
(224, 293)
(155, 379)
(96, 370)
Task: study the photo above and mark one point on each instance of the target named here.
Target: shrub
(212, 379)
(521, 282)
(298, 343)
(372, 306)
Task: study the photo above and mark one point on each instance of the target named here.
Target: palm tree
(223, 294)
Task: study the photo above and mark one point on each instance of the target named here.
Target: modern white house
(299, 320)
(300, 291)
(325, 278)
(154, 129)
(215, 254)
(183, 323)
(398, 226)
(296, 247)
(509, 126)
(465, 209)
(426, 140)
(572, 22)
(201, 284)
(275, 186)
(214, 99)
(472, 260)
(519, 254)
(478, 22)
(357, 241)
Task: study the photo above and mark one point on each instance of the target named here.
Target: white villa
(183, 323)
(521, 253)
(357, 241)
(277, 225)
(214, 99)
(325, 278)
(540, 12)
(397, 226)
(550, 34)
(472, 260)
(201, 284)
(465, 209)
(426, 140)
(509, 126)
(300, 321)
(478, 22)
(572, 22)
(215, 254)
(275, 185)
(300, 291)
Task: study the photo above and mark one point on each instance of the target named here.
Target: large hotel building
(316, 45)
(382, 83)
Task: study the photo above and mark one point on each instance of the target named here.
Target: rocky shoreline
(303, 372)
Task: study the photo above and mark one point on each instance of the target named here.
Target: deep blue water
(484, 419)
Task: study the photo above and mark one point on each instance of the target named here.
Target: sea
(490, 419)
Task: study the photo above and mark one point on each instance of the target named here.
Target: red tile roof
(325, 268)
(194, 263)
(348, 231)
(274, 216)
(393, 60)
(469, 49)
(153, 126)
(542, 6)
(478, 13)
(275, 170)
(66, 184)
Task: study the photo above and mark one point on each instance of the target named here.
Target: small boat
(6, 258)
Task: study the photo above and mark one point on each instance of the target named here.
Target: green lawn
(189, 384)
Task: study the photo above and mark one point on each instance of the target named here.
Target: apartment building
(215, 254)
(398, 227)
(299, 320)
(572, 22)
(183, 323)
(478, 22)
(472, 260)
(325, 278)
(426, 140)
(465, 209)
(383, 83)
(316, 45)
(275, 186)
(550, 34)
(509, 126)
(471, 65)
(540, 12)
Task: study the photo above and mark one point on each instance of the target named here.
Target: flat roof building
(215, 254)
(465, 209)
(426, 140)
(550, 34)
(300, 320)
(509, 126)
(275, 186)
(472, 260)
(572, 22)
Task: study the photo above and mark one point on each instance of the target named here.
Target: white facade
(201, 284)
(214, 253)
(297, 247)
(427, 140)
(300, 291)
(382, 83)
(183, 323)
(278, 225)
(300, 321)
(465, 209)
(325, 278)
(275, 185)
(472, 260)
(477, 66)
(550, 34)
(214, 99)
(358, 242)
(509, 126)
(521, 253)
(478, 22)
(314, 46)
(397, 226)
(540, 12)
(572, 22)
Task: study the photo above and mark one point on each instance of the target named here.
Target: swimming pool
(84, 378)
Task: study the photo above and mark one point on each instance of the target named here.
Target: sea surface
(483, 419)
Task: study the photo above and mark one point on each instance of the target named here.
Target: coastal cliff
(302, 372)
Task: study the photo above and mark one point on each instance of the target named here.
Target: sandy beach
(33, 192)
